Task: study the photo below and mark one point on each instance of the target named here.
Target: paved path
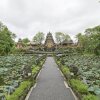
(50, 84)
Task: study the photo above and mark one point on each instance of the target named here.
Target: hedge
(90, 97)
(25, 85)
(79, 86)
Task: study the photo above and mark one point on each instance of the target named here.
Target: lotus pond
(87, 67)
(14, 69)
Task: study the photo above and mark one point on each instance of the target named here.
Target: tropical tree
(13, 36)
(38, 38)
(60, 37)
(81, 39)
(93, 35)
(6, 40)
(90, 41)
(67, 37)
(25, 40)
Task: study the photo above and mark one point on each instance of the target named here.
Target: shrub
(65, 70)
(20, 90)
(58, 62)
(90, 97)
(41, 62)
(79, 86)
(35, 70)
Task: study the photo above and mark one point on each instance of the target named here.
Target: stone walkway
(50, 84)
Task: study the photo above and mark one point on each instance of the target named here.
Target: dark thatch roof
(67, 41)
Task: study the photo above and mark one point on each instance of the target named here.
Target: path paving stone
(50, 84)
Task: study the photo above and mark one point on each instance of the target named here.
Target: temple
(49, 44)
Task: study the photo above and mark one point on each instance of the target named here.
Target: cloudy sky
(27, 17)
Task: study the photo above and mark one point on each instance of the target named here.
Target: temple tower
(49, 43)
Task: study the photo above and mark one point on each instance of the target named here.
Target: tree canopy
(90, 41)
(25, 40)
(6, 39)
(38, 38)
(60, 37)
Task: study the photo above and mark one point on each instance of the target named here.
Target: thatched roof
(67, 41)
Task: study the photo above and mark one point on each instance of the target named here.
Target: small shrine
(19, 44)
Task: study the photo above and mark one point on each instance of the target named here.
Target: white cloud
(27, 17)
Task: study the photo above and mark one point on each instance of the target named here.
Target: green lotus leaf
(97, 91)
(91, 89)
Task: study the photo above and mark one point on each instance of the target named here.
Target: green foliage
(15, 50)
(6, 40)
(25, 40)
(58, 62)
(1, 81)
(90, 41)
(79, 86)
(60, 37)
(65, 70)
(90, 97)
(94, 89)
(88, 69)
(15, 69)
(35, 70)
(38, 38)
(20, 91)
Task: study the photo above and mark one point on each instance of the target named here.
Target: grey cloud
(26, 17)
